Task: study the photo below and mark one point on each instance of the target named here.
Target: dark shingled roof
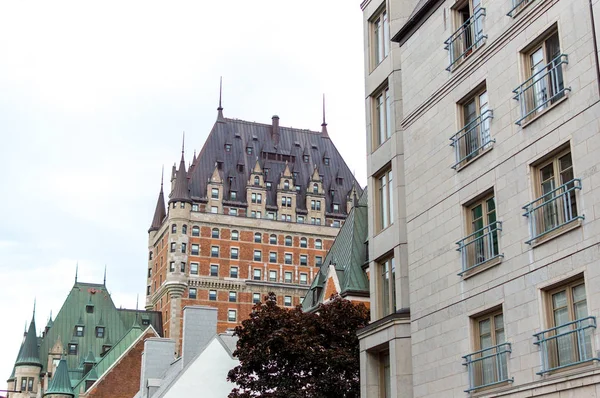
(181, 192)
(272, 145)
(30, 354)
(60, 383)
(160, 212)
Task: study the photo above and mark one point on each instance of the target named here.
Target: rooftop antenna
(76, 270)
(104, 274)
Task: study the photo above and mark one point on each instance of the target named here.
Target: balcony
(488, 367)
(566, 345)
(542, 89)
(518, 5)
(472, 140)
(479, 247)
(466, 39)
(553, 210)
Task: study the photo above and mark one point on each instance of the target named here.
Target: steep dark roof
(181, 192)
(30, 354)
(272, 145)
(60, 383)
(160, 212)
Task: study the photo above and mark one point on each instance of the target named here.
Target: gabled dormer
(214, 191)
(286, 195)
(256, 195)
(315, 200)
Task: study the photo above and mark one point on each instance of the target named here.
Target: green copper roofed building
(87, 332)
(343, 269)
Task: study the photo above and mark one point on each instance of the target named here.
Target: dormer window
(240, 168)
(298, 188)
(214, 193)
(233, 195)
(89, 308)
(286, 185)
(295, 174)
(326, 161)
(100, 332)
(339, 180)
(72, 349)
(256, 180)
(315, 188)
(249, 150)
(305, 158)
(219, 166)
(78, 332)
(106, 348)
(228, 147)
(269, 185)
(336, 208)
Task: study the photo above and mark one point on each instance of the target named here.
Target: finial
(183, 143)
(220, 108)
(324, 123)
(34, 301)
(76, 270)
(162, 177)
(105, 273)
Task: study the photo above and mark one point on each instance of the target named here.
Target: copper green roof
(12, 375)
(347, 253)
(30, 353)
(60, 383)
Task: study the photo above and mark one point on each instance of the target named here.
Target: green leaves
(289, 353)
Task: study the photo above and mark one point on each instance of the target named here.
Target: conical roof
(181, 193)
(160, 212)
(12, 375)
(30, 354)
(60, 383)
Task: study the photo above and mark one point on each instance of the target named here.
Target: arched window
(318, 244)
(273, 239)
(288, 240)
(256, 180)
(257, 237)
(195, 230)
(303, 242)
(215, 233)
(184, 229)
(174, 228)
(315, 188)
(235, 235)
(286, 184)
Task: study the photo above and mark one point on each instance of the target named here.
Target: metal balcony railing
(566, 345)
(467, 38)
(479, 247)
(542, 88)
(518, 5)
(552, 210)
(472, 139)
(488, 366)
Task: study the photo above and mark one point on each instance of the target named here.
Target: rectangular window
(272, 257)
(385, 199)
(184, 248)
(24, 383)
(287, 277)
(385, 379)
(287, 301)
(30, 384)
(232, 315)
(336, 208)
(303, 259)
(318, 261)
(300, 219)
(72, 349)
(257, 237)
(233, 272)
(257, 274)
(214, 270)
(233, 211)
(253, 197)
(545, 84)
(255, 298)
(195, 249)
(474, 137)
(233, 195)
(235, 253)
(149, 272)
(382, 116)
(182, 267)
(318, 204)
(468, 36)
(380, 33)
(214, 193)
(555, 188)
(214, 251)
(192, 293)
(303, 278)
(318, 221)
(232, 297)
(194, 268)
(272, 276)
(387, 286)
(569, 340)
(215, 233)
(271, 215)
(212, 295)
(172, 266)
(195, 207)
(195, 231)
(288, 240)
(258, 214)
(214, 209)
(288, 258)
(259, 198)
(148, 290)
(173, 247)
(100, 331)
(257, 255)
(235, 235)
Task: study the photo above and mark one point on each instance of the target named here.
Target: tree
(293, 354)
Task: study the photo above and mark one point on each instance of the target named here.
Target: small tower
(60, 385)
(28, 365)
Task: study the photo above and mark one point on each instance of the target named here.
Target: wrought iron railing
(552, 210)
(472, 139)
(479, 247)
(566, 345)
(467, 38)
(542, 88)
(488, 367)
(518, 5)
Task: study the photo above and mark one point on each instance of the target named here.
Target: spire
(76, 270)
(181, 192)
(159, 213)
(60, 384)
(220, 117)
(30, 355)
(104, 283)
(324, 132)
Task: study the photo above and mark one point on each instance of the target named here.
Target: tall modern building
(483, 141)
(255, 212)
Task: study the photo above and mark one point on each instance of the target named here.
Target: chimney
(275, 130)
(156, 359)
(199, 327)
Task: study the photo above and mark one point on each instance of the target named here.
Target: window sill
(377, 146)
(482, 267)
(459, 168)
(560, 231)
(485, 391)
(570, 370)
(542, 113)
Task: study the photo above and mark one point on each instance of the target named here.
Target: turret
(159, 212)
(181, 192)
(60, 385)
(28, 365)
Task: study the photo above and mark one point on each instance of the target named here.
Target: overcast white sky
(94, 97)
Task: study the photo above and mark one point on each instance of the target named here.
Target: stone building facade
(483, 138)
(255, 212)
